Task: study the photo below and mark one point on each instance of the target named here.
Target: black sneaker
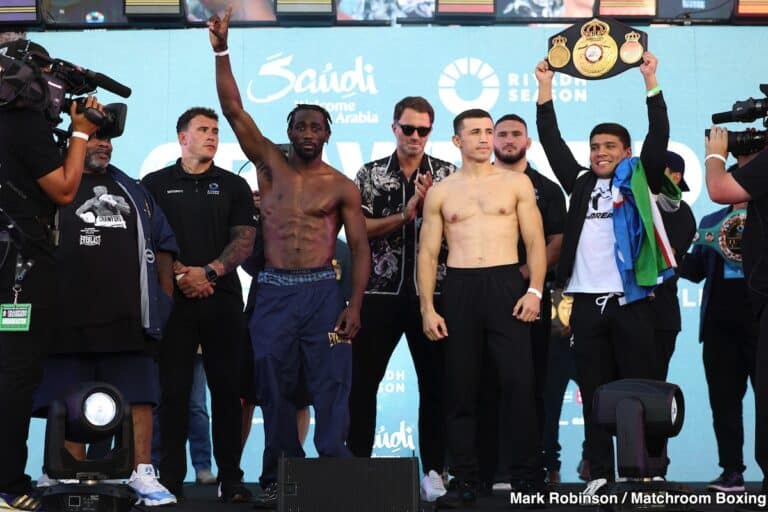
(268, 498)
(234, 492)
(461, 496)
(729, 481)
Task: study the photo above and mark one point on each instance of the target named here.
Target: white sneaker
(593, 486)
(432, 486)
(502, 486)
(45, 481)
(151, 492)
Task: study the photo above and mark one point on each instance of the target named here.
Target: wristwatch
(210, 274)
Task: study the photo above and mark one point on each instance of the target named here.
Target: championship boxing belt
(600, 48)
(725, 237)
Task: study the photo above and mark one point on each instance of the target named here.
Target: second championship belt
(725, 237)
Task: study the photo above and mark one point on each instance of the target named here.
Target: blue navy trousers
(289, 331)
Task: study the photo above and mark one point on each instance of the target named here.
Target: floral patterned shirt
(385, 191)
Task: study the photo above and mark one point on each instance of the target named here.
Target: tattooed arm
(237, 250)
(193, 281)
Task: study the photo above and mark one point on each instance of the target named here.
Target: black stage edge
(202, 498)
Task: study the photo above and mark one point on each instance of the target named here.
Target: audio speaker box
(348, 485)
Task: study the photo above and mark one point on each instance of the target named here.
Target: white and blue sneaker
(151, 493)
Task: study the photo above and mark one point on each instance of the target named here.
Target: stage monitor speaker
(348, 485)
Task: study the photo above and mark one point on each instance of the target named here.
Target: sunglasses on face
(408, 129)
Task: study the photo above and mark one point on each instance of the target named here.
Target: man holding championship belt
(612, 317)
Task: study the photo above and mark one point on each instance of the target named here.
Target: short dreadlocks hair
(316, 108)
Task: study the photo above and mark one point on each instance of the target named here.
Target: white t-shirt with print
(595, 269)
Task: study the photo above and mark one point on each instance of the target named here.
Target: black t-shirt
(27, 153)
(98, 267)
(753, 177)
(551, 203)
(202, 209)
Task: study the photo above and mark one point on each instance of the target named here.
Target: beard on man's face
(307, 153)
(509, 158)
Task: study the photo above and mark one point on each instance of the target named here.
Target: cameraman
(34, 179)
(748, 183)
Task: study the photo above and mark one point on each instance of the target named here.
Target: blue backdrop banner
(358, 74)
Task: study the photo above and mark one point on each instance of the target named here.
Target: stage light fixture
(642, 414)
(90, 413)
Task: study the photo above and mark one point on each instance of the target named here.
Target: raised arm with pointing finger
(253, 143)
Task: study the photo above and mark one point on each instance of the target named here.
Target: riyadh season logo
(468, 83)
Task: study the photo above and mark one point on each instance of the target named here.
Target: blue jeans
(199, 422)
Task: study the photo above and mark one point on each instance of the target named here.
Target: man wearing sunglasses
(393, 190)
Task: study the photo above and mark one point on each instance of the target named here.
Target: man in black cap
(681, 228)
(676, 170)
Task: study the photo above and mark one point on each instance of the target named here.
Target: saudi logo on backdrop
(468, 83)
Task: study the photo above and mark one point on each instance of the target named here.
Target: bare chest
(298, 195)
(475, 203)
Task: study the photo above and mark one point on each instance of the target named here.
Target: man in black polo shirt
(212, 214)
(510, 145)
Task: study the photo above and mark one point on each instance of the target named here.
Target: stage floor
(199, 498)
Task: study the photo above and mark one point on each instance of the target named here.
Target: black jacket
(579, 184)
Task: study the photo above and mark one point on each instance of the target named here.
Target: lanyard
(23, 266)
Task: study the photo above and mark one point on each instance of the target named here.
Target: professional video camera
(29, 78)
(751, 140)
